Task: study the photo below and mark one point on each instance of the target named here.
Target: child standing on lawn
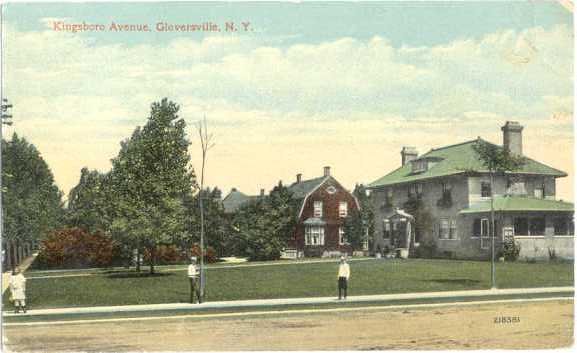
(343, 277)
(18, 290)
(193, 278)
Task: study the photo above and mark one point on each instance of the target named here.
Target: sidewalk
(23, 267)
(384, 298)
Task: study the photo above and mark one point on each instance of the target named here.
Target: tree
(33, 203)
(206, 143)
(89, 202)
(264, 226)
(354, 229)
(497, 160)
(217, 226)
(366, 215)
(150, 179)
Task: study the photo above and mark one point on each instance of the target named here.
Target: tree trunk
(8, 254)
(152, 258)
(137, 259)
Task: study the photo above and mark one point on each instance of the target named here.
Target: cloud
(350, 103)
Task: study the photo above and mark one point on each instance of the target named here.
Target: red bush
(209, 256)
(76, 248)
(165, 255)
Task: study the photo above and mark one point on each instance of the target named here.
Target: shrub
(426, 250)
(511, 249)
(76, 248)
(165, 255)
(209, 256)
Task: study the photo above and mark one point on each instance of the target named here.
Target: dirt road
(529, 325)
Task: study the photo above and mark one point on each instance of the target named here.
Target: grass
(285, 281)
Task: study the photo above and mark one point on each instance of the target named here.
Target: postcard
(287, 176)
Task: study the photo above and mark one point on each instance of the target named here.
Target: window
(331, 190)
(343, 209)
(445, 187)
(484, 227)
(539, 191)
(485, 189)
(453, 229)
(537, 226)
(444, 229)
(529, 226)
(481, 227)
(315, 236)
(386, 228)
(415, 190)
(521, 226)
(561, 226)
(389, 193)
(342, 240)
(318, 209)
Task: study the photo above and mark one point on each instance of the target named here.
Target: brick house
(324, 205)
(453, 186)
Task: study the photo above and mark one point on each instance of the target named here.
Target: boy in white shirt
(343, 277)
(193, 278)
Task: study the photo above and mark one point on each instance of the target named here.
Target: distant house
(324, 205)
(236, 199)
(453, 186)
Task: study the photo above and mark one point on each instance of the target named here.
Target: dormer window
(419, 166)
(423, 164)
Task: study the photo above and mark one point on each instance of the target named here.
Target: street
(515, 325)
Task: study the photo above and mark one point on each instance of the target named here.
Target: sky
(307, 85)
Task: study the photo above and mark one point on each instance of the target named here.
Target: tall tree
(89, 202)
(150, 178)
(32, 202)
(497, 160)
(216, 222)
(264, 226)
(206, 143)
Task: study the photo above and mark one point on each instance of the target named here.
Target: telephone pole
(5, 119)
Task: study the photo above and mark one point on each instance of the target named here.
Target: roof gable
(234, 200)
(456, 159)
(302, 189)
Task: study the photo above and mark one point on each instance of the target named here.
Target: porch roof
(519, 203)
(313, 221)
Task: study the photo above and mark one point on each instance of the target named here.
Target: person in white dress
(18, 290)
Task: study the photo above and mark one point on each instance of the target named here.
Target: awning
(400, 214)
(313, 221)
(519, 204)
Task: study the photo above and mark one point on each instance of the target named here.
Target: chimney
(261, 192)
(299, 177)
(408, 154)
(327, 171)
(513, 137)
(233, 190)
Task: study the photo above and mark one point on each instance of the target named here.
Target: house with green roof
(439, 204)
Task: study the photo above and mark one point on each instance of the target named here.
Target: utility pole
(5, 119)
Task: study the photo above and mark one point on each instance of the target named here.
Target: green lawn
(285, 281)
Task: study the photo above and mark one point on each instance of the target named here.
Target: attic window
(331, 189)
(419, 166)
